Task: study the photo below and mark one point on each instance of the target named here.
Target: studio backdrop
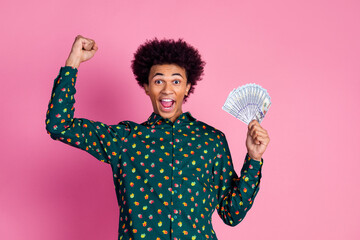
(305, 53)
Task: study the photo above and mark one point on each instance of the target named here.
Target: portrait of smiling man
(172, 171)
(167, 88)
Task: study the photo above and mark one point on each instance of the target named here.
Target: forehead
(167, 69)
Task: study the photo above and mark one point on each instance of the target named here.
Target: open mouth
(167, 104)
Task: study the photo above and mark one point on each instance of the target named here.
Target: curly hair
(167, 51)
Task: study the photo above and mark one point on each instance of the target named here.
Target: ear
(188, 86)
(146, 88)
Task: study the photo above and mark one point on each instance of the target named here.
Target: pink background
(305, 53)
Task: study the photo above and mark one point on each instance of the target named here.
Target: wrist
(72, 62)
(256, 158)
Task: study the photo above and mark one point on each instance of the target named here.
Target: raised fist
(82, 50)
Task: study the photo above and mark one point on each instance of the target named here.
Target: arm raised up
(97, 138)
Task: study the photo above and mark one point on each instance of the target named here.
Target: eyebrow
(174, 74)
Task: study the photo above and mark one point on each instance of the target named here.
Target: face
(167, 88)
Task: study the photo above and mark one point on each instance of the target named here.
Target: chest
(169, 151)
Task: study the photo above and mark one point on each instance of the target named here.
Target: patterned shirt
(169, 176)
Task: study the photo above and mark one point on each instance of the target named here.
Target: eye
(158, 81)
(177, 81)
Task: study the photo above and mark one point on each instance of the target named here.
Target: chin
(167, 114)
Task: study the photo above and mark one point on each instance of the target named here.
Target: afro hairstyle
(167, 51)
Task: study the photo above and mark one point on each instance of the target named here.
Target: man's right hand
(82, 50)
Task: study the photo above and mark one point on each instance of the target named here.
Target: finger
(256, 125)
(257, 129)
(262, 140)
(95, 47)
(87, 45)
(253, 137)
(258, 139)
(262, 135)
(77, 45)
(252, 123)
(77, 38)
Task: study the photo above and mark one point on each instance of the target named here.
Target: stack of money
(248, 102)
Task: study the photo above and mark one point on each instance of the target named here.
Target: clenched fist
(257, 140)
(82, 50)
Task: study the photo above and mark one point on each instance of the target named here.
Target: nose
(167, 89)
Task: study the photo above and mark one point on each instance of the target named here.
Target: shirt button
(175, 191)
(175, 217)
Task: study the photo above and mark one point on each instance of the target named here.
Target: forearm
(61, 106)
(249, 180)
(239, 196)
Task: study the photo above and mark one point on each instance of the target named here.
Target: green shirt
(169, 177)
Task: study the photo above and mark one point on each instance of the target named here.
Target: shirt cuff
(254, 163)
(68, 71)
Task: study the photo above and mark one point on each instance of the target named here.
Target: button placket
(176, 178)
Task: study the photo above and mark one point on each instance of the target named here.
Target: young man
(172, 171)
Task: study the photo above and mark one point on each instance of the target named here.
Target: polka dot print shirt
(169, 176)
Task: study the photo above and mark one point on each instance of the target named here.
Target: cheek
(153, 93)
(181, 94)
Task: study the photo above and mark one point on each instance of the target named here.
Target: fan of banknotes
(248, 102)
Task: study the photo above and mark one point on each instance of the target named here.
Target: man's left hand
(257, 140)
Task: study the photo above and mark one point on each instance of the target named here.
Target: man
(172, 171)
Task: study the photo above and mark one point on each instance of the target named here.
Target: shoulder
(210, 130)
(215, 137)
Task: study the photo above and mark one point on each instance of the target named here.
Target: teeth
(166, 100)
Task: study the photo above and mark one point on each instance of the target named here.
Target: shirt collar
(157, 119)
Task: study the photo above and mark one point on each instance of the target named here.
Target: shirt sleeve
(97, 138)
(235, 195)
